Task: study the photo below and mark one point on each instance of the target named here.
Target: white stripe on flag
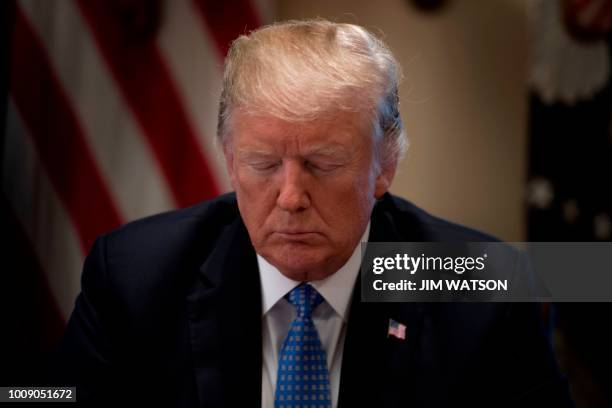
(196, 69)
(122, 154)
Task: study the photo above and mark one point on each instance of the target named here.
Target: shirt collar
(336, 289)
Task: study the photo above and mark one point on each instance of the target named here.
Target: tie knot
(305, 298)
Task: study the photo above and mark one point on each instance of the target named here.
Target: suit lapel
(377, 369)
(225, 322)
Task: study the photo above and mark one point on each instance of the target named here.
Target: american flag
(396, 329)
(111, 116)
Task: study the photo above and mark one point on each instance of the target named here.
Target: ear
(384, 179)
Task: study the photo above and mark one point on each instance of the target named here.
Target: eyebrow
(327, 151)
(257, 154)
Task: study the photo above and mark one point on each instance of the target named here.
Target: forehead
(340, 129)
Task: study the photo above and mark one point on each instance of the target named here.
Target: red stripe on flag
(580, 5)
(601, 20)
(227, 20)
(58, 136)
(144, 80)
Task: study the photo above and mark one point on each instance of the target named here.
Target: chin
(304, 276)
(300, 262)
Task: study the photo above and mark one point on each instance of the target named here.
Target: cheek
(363, 189)
(363, 200)
(348, 203)
(253, 214)
(248, 183)
(255, 198)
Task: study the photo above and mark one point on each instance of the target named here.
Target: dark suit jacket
(170, 313)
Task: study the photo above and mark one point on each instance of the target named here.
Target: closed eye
(322, 166)
(265, 165)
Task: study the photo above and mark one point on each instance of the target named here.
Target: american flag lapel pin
(396, 329)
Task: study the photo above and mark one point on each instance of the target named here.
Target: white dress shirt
(329, 318)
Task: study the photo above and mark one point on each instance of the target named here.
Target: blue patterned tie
(303, 379)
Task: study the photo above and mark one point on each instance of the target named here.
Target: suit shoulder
(158, 255)
(410, 221)
(211, 214)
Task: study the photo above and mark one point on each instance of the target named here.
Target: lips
(296, 235)
(295, 232)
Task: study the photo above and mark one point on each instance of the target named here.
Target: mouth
(296, 235)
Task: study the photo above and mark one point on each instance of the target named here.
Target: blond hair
(302, 71)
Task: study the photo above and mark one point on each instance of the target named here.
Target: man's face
(305, 191)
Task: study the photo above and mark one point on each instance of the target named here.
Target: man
(253, 298)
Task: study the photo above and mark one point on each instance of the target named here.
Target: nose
(293, 194)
